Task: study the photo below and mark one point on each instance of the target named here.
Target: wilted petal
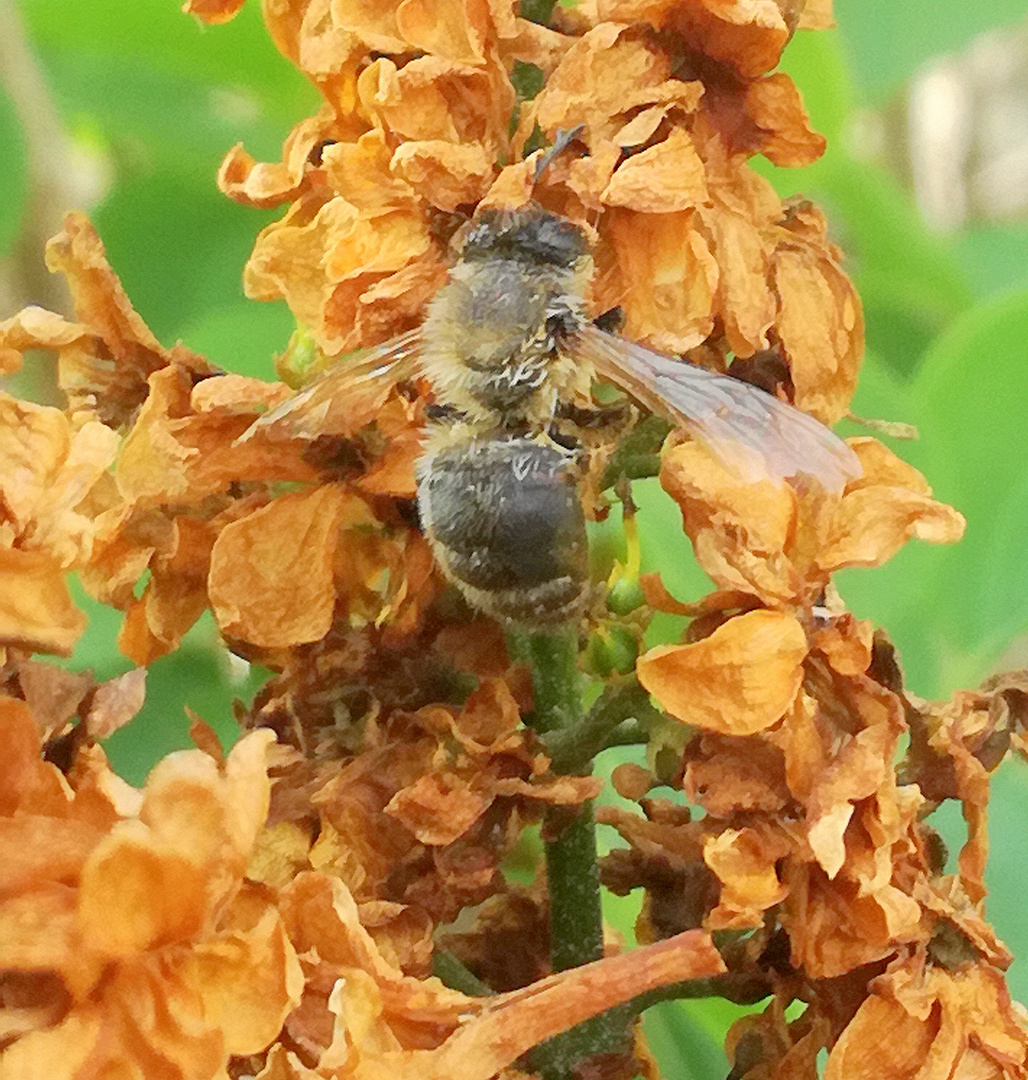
(272, 573)
(600, 76)
(115, 702)
(36, 609)
(888, 505)
(819, 321)
(738, 681)
(661, 179)
(35, 328)
(739, 530)
(744, 862)
(249, 979)
(748, 34)
(882, 1042)
(775, 107)
(213, 11)
(447, 174)
(135, 897)
(658, 268)
(269, 184)
(447, 28)
(48, 468)
(746, 305)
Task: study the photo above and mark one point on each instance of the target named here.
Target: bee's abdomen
(506, 524)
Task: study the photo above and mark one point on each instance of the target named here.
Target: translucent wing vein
(750, 430)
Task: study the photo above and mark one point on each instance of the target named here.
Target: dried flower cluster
(274, 912)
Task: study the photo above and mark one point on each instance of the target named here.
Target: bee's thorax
(497, 332)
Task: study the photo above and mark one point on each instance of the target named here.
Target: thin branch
(572, 750)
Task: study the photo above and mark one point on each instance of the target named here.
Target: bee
(511, 354)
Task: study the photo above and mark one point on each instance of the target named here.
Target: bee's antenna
(561, 141)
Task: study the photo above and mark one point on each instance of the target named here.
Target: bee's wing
(348, 395)
(751, 431)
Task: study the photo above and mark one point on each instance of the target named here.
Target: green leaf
(994, 256)
(910, 281)
(527, 80)
(196, 675)
(179, 247)
(816, 62)
(13, 183)
(969, 404)
(538, 11)
(892, 596)
(158, 35)
(887, 42)
(952, 610)
(1005, 872)
(241, 335)
(665, 549)
(125, 103)
(687, 1037)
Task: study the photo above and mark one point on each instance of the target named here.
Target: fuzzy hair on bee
(511, 354)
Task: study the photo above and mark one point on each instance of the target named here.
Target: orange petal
(746, 304)
(819, 320)
(882, 1042)
(37, 848)
(115, 702)
(738, 681)
(249, 979)
(213, 12)
(775, 106)
(447, 174)
(744, 862)
(49, 467)
(272, 573)
(660, 179)
(36, 609)
(740, 531)
(447, 28)
(889, 505)
(748, 34)
(135, 896)
(659, 270)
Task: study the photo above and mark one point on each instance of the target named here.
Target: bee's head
(532, 235)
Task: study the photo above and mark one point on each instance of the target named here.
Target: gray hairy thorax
(504, 325)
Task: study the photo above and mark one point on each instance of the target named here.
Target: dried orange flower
(364, 1017)
(782, 544)
(126, 916)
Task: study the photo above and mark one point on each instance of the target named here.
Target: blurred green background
(143, 103)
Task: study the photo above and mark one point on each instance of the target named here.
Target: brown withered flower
(127, 925)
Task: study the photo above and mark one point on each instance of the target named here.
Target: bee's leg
(595, 417)
(611, 321)
(444, 414)
(562, 140)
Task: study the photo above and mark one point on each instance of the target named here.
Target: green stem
(629, 733)
(556, 684)
(572, 869)
(572, 750)
(454, 974)
(573, 877)
(638, 456)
